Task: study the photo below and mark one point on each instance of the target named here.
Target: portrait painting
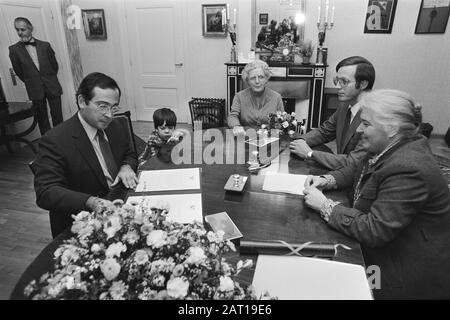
(94, 24)
(214, 19)
(433, 16)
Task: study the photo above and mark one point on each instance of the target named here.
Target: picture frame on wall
(94, 24)
(380, 16)
(263, 18)
(433, 16)
(214, 19)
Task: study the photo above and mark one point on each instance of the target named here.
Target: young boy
(165, 122)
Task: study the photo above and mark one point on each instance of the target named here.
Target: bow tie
(29, 43)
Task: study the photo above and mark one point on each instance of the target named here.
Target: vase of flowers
(284, 122)
(306, 51)
(132, 252)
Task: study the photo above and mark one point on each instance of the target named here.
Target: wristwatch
(309, 155)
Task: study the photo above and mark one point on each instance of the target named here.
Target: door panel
(156, 52)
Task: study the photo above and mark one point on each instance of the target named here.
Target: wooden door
(156, 52)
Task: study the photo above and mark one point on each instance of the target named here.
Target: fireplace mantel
(313, 73)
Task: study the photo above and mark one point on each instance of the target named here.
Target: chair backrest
(209, 111)
(124, 118)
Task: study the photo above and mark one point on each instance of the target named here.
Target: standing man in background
(35, 64)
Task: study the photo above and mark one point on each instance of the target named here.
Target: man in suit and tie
(81, 160)
(35, 64)
(355, 76)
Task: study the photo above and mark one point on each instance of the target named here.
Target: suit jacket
(349, 148)
(402, 219)
(36, 81)
(67, 170)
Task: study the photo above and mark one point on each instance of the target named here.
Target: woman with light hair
(400, 206)
(252, 106)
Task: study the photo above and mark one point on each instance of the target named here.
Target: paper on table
(172, 179)
(300, 278)
(183, 208)
(284, 182)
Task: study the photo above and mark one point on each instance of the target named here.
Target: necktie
(346, 123)
(107, 154)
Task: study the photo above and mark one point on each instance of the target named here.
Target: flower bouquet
(284, 122)
(132, 252)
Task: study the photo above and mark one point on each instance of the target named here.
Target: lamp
(231, 29)
(323, 27)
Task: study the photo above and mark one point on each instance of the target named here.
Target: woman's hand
(237, 130)
(314, 198)
(316, 181)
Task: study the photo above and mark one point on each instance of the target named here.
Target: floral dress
(154, 144)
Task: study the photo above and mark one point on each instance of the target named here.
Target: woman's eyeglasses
(342, 82)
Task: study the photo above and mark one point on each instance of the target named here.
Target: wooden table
(258, 214)
(12, 112)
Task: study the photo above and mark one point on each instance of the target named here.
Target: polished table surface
(259, 215)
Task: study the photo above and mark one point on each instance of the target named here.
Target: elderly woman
(400, 211)
(252, 106)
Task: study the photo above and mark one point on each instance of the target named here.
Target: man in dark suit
(35, 64)
(82, 159)
(355, 76)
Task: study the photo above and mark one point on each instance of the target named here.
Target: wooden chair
(208, 111)
(124, 119)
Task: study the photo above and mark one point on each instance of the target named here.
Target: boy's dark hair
(92, 80)
(364, 70)
(164, 115)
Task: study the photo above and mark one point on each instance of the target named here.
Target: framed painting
(94, 24)
(263, 18)
(380, 16)
(433, 16)
(214, 20)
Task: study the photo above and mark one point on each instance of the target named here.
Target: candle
(224, 22)
(234, 16)
(332, 15)
(318, 16)
(228, 11)
(326, 13)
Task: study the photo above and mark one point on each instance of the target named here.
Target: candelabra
(231, 30)
(322, 51)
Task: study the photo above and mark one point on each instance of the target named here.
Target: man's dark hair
(92, 80)
(364, 70)
(23, 19)
(164, 115)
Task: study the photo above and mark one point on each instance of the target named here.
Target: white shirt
(354, 110)
(93, 137)
(33, 54)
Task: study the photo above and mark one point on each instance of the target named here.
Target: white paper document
(284, 182)
(172, 179)
(301, 278)
(183, 208)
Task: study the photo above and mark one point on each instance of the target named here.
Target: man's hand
(300, 148)
(237, 130)
(94, 203)
(127, 176)
(315, 181)
(314, 198)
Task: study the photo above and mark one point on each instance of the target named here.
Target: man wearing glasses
(83, 159)
(355, 76)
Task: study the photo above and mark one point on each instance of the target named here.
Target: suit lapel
(26, 55)
(84, 146)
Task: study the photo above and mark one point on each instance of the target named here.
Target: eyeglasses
(104, 108)
(342, 82)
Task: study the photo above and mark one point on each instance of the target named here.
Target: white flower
(131, 237)
(285, 124)
(263, 126)
(156, 238)
(117, 290)
(141, 257)
(177, 288)
(291, 132)
(115, 249)
(294, 122)
(284, 113)
(95, 248)
(110, 268)
(196, 255)
(112, 225)
(226, 284)
(292, 114)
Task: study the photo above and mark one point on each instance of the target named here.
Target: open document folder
(301, 278)
(171, 179)
(284, 182)
(183, 208)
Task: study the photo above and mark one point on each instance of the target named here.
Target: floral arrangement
(306, 49)
(132, 252)
(283, 121)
